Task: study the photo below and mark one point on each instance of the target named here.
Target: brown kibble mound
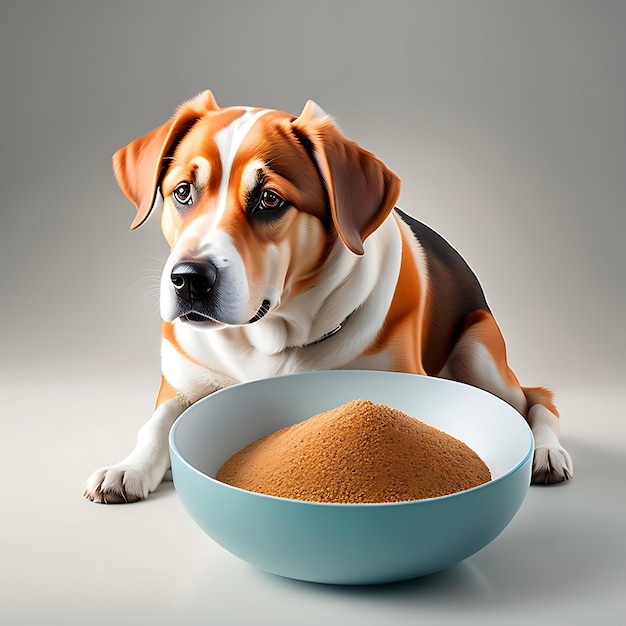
(358, 452)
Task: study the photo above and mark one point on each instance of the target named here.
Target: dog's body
(287, 255)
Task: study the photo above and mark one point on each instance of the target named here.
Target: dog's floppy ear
(138, 167)
(361, 189)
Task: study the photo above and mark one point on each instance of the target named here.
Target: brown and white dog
(288, 254)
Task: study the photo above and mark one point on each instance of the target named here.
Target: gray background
(505, 121)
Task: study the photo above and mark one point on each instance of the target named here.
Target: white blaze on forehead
(228, 141)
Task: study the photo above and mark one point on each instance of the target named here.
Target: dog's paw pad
(115, 486)
(551, 465)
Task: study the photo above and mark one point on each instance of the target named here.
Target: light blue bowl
(349, 543)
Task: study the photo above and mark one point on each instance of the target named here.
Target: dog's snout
(193, 280)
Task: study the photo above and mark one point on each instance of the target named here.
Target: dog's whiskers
(150, 283)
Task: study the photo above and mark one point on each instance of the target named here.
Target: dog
(288, 254)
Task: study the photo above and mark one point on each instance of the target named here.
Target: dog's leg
(552, 463)
(143, 469)
(479, 359)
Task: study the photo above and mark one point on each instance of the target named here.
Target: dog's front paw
(116, 485)
(551, 464)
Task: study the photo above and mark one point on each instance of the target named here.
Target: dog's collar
(330, 334)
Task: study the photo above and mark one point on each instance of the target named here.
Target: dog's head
(253, 202)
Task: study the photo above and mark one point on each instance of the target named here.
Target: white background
(505, 121)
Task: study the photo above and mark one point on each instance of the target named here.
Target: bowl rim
(344, 505)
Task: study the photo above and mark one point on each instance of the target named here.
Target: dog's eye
(182, 194)
(265, 205)
(270, 200)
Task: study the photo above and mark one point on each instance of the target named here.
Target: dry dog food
(358, 452)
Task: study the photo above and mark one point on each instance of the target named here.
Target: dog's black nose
(193, 280)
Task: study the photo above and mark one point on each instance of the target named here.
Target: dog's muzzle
(193, 282)
(195, 285)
